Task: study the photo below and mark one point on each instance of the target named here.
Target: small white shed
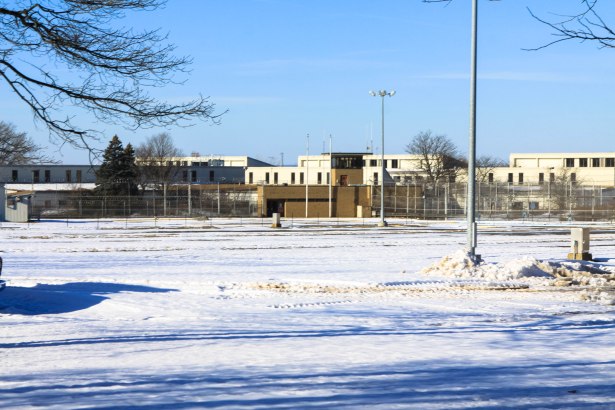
(18, 206)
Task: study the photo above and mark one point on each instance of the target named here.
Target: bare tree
(587, 25)
(110, 67)
(17, 148)
(485, 164)
(157, 160)
(562, 188)
(440, 159)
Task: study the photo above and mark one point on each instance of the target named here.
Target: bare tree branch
(587, 25)
(111, 67)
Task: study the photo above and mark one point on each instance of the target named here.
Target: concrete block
(275, 221)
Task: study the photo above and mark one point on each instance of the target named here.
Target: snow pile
(460, 265)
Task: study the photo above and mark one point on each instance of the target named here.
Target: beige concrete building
(345, 169)
(289, 201)
(588, 169)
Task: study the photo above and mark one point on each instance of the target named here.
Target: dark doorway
(275, 206)
(343, 180)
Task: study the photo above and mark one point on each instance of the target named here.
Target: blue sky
(286, 68)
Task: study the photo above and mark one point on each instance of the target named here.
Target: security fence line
(420, 201)
(499, 201)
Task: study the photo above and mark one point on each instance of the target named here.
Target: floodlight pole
(307, 172)
(382, 94)
(471, 202)
(330, 176)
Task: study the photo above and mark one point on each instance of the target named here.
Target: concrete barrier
(579, 244)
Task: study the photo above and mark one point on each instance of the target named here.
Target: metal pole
(189, 200)
(330, 176)
(164, 194)
(382, 221)
(446, 202)
(471, 221)
(307, 172)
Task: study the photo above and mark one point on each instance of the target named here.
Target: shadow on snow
(69, 297)
(418, 384)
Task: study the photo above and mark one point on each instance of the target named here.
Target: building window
(69, 177)
(569, 162)
(319, 178)
(394, 163)
(490, 177)
(185, 175)
(250, 178)
(510, 178)
(212, 176)
(36, 176)
(328, 178)
(301, 179)
(275, 178)
(266, 177)
(292, 178)
(609, 162)
(193, 176)
(375, 178)
(573, 178)
(15, 175)
(583, 162)
(520, 177)
(373, 162)
(79, 176)
(595, 162)
(541, 178)
(47, 175)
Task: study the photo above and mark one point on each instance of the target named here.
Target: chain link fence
(564, 202)
(423, 201)
(177, 201)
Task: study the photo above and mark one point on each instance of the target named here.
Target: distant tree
(156, 160)
(110, 67)
(440, 160)
(485, 164)
(17, 148)
(561, 190)
(116, 175)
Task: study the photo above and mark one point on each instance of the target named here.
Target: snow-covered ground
(185, 314)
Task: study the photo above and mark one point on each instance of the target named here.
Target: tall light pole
(330, 176)
(382, 94)
(307, 173)
(471, 202)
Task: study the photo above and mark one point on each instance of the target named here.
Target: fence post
(189, 200)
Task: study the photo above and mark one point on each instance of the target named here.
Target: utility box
(275, 221)
(579, 245)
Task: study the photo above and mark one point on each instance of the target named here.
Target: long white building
(594, 168)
